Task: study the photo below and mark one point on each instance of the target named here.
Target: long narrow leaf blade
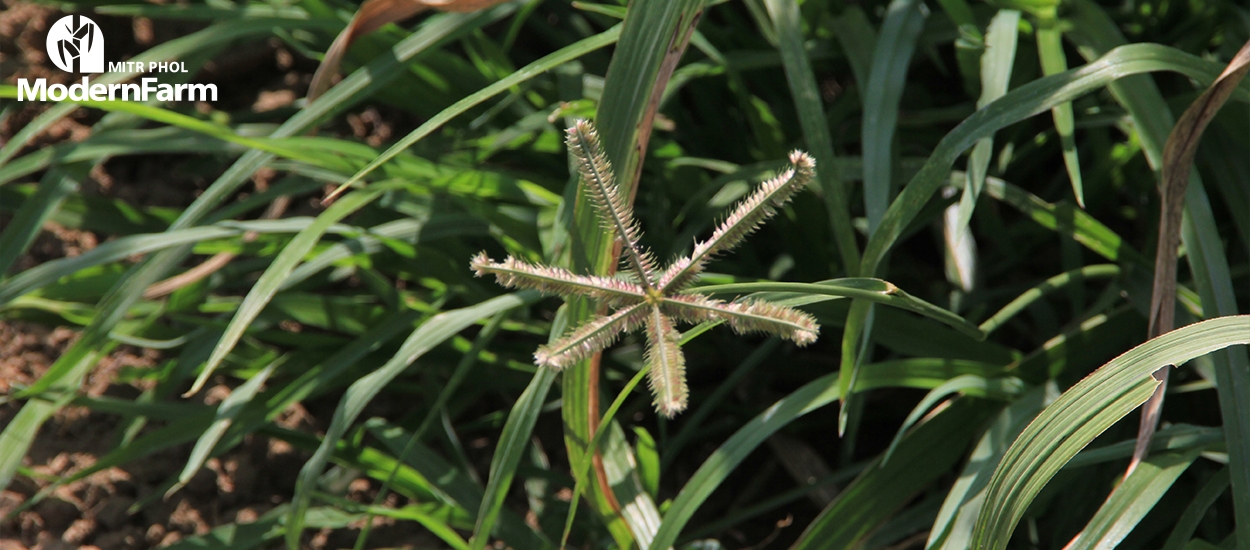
(996, 67)
(1085, 411)
(271, 280)
(904, 20)
(787, 19)
(1050, 48)
(430, 334)
(548, 62)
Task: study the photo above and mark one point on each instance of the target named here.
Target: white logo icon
(76, 45)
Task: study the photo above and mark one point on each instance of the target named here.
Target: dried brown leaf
(371, 16)
(1178, 159)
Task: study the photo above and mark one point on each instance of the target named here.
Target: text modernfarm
(39, 89)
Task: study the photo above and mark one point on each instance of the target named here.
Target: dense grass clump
(1003, 212)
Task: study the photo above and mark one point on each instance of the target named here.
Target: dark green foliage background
(387, 306)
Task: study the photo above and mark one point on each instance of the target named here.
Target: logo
(76, 45)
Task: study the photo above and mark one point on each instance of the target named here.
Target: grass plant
(975, 242)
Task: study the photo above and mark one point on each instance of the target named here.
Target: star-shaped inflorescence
(655, 300)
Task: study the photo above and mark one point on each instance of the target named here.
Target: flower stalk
(655, 300)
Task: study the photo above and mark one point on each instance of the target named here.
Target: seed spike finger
(746, 316)
(654, 301)
(589, 338)
(554, 281)
(668, 366)
(746, 217)
(596, 170)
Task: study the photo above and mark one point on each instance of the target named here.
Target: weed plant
(976, 243)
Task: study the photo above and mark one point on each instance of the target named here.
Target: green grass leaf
(996, 66)
(812, 396)
(508, 453)
(967, 384)
(1085, 411)
(717, 467)
(786, 19)
(868, 289)
(1053, 284)
(67, 373)
(952, 529)
(215, 36)
(1132, 500)
(652, 39)
(1023, 102)
(245, 536)
(227, 411)
(272, 279)
(127, 247)
(1197, 509)
(922, 456)
(55, 186)
(432, 332)
(1019, 104)
(1054, 61)
(548, 62)
(904, 20)
(453, 486)
(1094, 33)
